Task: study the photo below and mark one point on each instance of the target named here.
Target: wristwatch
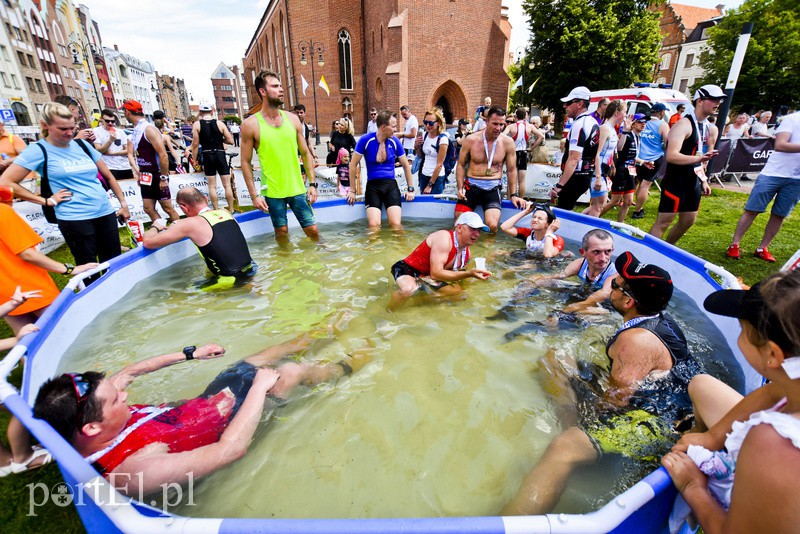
(314, 185)
(189, 352)
(410, 190)
(69, 268)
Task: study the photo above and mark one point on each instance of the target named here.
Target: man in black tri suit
(212, 135)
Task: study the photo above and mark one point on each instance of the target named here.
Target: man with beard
(276, 136)
(644, 394)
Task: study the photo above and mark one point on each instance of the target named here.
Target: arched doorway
(21, 114)
(450, 97)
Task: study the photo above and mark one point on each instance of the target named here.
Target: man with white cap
(440, 259)
(578, 162)
(685, 179)
(211, 134)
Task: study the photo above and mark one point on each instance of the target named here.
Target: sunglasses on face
(108, 121)
(615, 285)
(428, 123)
(81, 386)
(373, 114)
(572, 102)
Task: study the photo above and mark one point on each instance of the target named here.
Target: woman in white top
(540, 239)
(738, 129)
(604, 160)
(434, 146)
(761, 431)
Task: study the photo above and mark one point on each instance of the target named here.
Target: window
(4, 78)
(29, 81)
(689, 62)
(21, 58)
(684, 83)
(4, 51)
(345, 61)
(14, 81)
(665, 61)
(17, 33)
(39, 85)
(347, 105)
(31, 62)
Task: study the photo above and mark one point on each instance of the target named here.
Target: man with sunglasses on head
(140, 448)
(685, 180)
(646, 393)
(594, 269)
(115, 147)
(579, 159)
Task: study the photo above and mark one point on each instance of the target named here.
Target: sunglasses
(615, 285)
(372, 114)
(572, 101)
(109, 121)
(428, 123)
(81, 386)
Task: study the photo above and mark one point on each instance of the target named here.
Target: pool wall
(643, 508)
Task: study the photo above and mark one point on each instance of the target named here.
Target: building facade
(688, 69)
(382, 55)
(227, 86)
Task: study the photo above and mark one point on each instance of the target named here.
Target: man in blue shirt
(379, 151)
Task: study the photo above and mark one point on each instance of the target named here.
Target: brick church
(382, 54)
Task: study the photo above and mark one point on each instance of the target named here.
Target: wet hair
(53, 110)
(597, 233)
(520, 113)
(383, 118)
(57, 403)
(547, 211)
(613, 107)
(191, 196)
(438, 117)
(299, 107)
(495, 110)
(261, 79)
(781, 302)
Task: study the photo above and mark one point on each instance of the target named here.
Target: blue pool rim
(644, 508)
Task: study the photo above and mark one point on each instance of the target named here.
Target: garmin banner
(718, 163)
(750, 155)
(32, 213)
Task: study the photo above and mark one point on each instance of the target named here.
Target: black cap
(158, 114)
(748, 304)
(650, 285)
(463, 121)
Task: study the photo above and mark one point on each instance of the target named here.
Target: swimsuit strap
(151, 411)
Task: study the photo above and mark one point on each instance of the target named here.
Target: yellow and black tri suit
(226, 255)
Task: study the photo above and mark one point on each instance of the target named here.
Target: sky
(188, 39)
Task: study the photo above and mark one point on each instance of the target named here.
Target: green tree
(602, 44)
(232, 118)
(770, 76)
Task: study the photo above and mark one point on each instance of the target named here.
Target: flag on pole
(324, 85)
(518, 84)
(305, 84)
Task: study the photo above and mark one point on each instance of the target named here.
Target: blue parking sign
(7, 115)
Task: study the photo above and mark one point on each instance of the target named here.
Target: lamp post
(158, 95)
(312, 48)
(74, 48)
(520, 53)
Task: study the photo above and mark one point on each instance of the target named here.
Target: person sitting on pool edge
(594, 269)
(647, 391)
(540, 239)
(144, 446)
(440, 259)
(215, 233)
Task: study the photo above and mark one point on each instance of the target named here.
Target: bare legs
(150, 209)
(627, 200)
(746, 220)
(663, 220)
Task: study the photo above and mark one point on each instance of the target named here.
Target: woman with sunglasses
(540, 239)
(623, 183)
(434, 148)
(341, 137)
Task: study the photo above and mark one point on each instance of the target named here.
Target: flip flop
(38, 452)
(6, 469)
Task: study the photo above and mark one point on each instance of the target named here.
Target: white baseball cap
(473, 220)
(579, 93)
(710, 91)
(203, 107)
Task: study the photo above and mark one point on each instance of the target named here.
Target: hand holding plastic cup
(480, 263)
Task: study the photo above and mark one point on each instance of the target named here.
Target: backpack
(450, 158)
(50, 211)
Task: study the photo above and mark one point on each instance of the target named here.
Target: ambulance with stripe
(642, 96)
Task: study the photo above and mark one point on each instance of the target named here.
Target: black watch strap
(189, 352)
(313, 184)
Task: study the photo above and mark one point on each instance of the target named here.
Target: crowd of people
(653, 381)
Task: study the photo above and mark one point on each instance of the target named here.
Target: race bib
(146, 178)
(700, 172)
(632, 170)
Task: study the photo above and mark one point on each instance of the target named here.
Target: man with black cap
(685, 179)
(651, 367)
(653, 140)
(578, 162)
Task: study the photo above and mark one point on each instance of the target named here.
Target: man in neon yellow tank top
(276, 136)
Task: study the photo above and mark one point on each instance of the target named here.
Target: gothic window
(345, 61)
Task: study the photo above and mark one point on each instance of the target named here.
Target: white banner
(32, 213)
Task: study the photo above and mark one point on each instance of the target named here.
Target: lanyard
(636, 320)
(456, 265)
(486, 148)
(701, 133)
(152, 413)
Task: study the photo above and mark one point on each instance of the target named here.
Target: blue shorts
(299, 206)
(786, 192)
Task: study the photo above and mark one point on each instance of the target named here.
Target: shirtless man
(594, 269)
(487, 151)
(526, 137)
(440, 259)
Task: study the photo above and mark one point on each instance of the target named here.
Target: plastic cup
(480, 263)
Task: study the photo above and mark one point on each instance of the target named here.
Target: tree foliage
(602, 44)
(770, 77)
(232, 118)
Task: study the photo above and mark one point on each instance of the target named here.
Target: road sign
(8, 116)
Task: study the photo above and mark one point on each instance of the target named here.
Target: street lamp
(74, 49)
(312, 48)
(158, 95)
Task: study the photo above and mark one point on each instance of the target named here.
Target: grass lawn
(708, 239)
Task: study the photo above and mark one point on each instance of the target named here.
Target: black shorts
(214, 162)
(648, 174)
(576, 186)
(622, 182)
(154, 192)
(522, 160)
(487, 199)
(122, 174)
(401, 268)
(680, 194)
(382, 193)
(239, 379)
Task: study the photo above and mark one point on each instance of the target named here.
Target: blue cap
(639, 117)
(658, 106)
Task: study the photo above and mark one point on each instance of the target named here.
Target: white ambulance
(642, 96)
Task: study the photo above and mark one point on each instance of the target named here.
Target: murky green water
(446, 418)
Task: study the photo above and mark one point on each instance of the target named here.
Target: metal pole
(90, 65)
(733, 75)
(314, 83)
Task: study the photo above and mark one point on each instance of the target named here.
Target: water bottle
(4, 155)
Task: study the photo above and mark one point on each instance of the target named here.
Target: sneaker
(733, 252)
(764, 254)
(638, 214)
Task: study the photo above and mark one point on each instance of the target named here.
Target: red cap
(133, 106)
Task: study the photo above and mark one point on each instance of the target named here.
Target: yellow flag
(324, 85)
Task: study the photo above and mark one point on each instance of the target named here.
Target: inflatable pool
(642, 508)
